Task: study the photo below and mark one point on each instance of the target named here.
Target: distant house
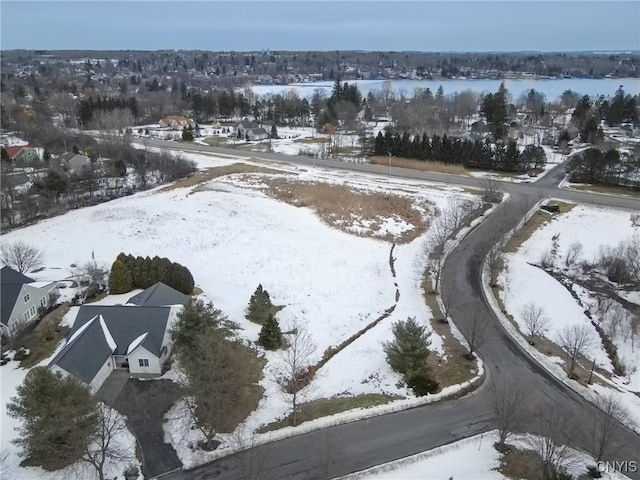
(177, 122)
(75, 162)
(134, 337)
(250, 130)
(21, 298)
(26, 153)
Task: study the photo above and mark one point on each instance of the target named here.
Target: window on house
(26, 316)
(43, 302)
(143, 362)
(26, 298)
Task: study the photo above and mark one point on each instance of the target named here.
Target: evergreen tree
(407, 353)
(270, 334)
(57, 416)
(260, 306)
(187, 134)
(274, 131)
(193, 320)
(120, 280)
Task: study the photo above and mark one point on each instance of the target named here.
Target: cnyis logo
(625, 466)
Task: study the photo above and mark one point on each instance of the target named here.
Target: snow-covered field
(524, 283)
(468, 459)
(233, 238)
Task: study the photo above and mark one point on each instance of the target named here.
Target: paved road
(347, 448)
(545, 187)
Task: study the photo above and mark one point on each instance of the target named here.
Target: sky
(481, 26)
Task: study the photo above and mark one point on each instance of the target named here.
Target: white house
(21, 297)
(250, 130)
(134, 337)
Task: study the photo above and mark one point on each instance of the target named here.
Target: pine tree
(259, 306)
(187, 134)
(270, 335)
(57, 416)
(407, 353)
(120, 280)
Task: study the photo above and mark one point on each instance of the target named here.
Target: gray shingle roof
(126, 323)
(259, 130)
(85, 354)
(159, 295)
(11, 283)
(248, 124)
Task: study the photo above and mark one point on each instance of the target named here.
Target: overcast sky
(386, 25)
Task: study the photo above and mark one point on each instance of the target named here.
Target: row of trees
(89, 108)
(468, 153)
(610, 167)
(129, 272)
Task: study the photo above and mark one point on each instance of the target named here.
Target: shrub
(270, 335)
(422, 385)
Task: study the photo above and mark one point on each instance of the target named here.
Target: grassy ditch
(457, 369)
(436, 167)
(324, 407)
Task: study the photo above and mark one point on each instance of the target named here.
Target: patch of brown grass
(323, 407)
(609, 190)
(520, 464)
(457, 369)
(426, 166)
(341, 207)
(252, 393)
(204, 176)
(45, 337)
(538, 220)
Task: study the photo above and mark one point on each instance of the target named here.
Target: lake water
(551, 88)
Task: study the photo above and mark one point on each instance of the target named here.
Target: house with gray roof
(106, 337)
(21, 298)
(159, 295)
(75, 162)
(250, 130)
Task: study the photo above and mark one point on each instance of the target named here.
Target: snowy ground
(524, 283)
(468, 459)
(232, 238)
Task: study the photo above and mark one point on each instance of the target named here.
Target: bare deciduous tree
(510, 405)
(535, 319)
(296, 360)
(573, 253)
(546, 259)
(104, 447)
(478, 334)
(555, 429)
(495, 260)
(606, 426)
(21, 256)
(576, 340)
(91, 274)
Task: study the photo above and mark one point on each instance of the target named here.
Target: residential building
(22, 298)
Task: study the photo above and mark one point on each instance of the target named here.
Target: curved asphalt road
(355, 446)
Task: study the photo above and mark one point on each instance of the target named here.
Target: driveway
(144, 403)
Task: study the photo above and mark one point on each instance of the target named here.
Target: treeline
(47, 188)
(610, 167)
(478, 154)
(88, 107)
(129, 272)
